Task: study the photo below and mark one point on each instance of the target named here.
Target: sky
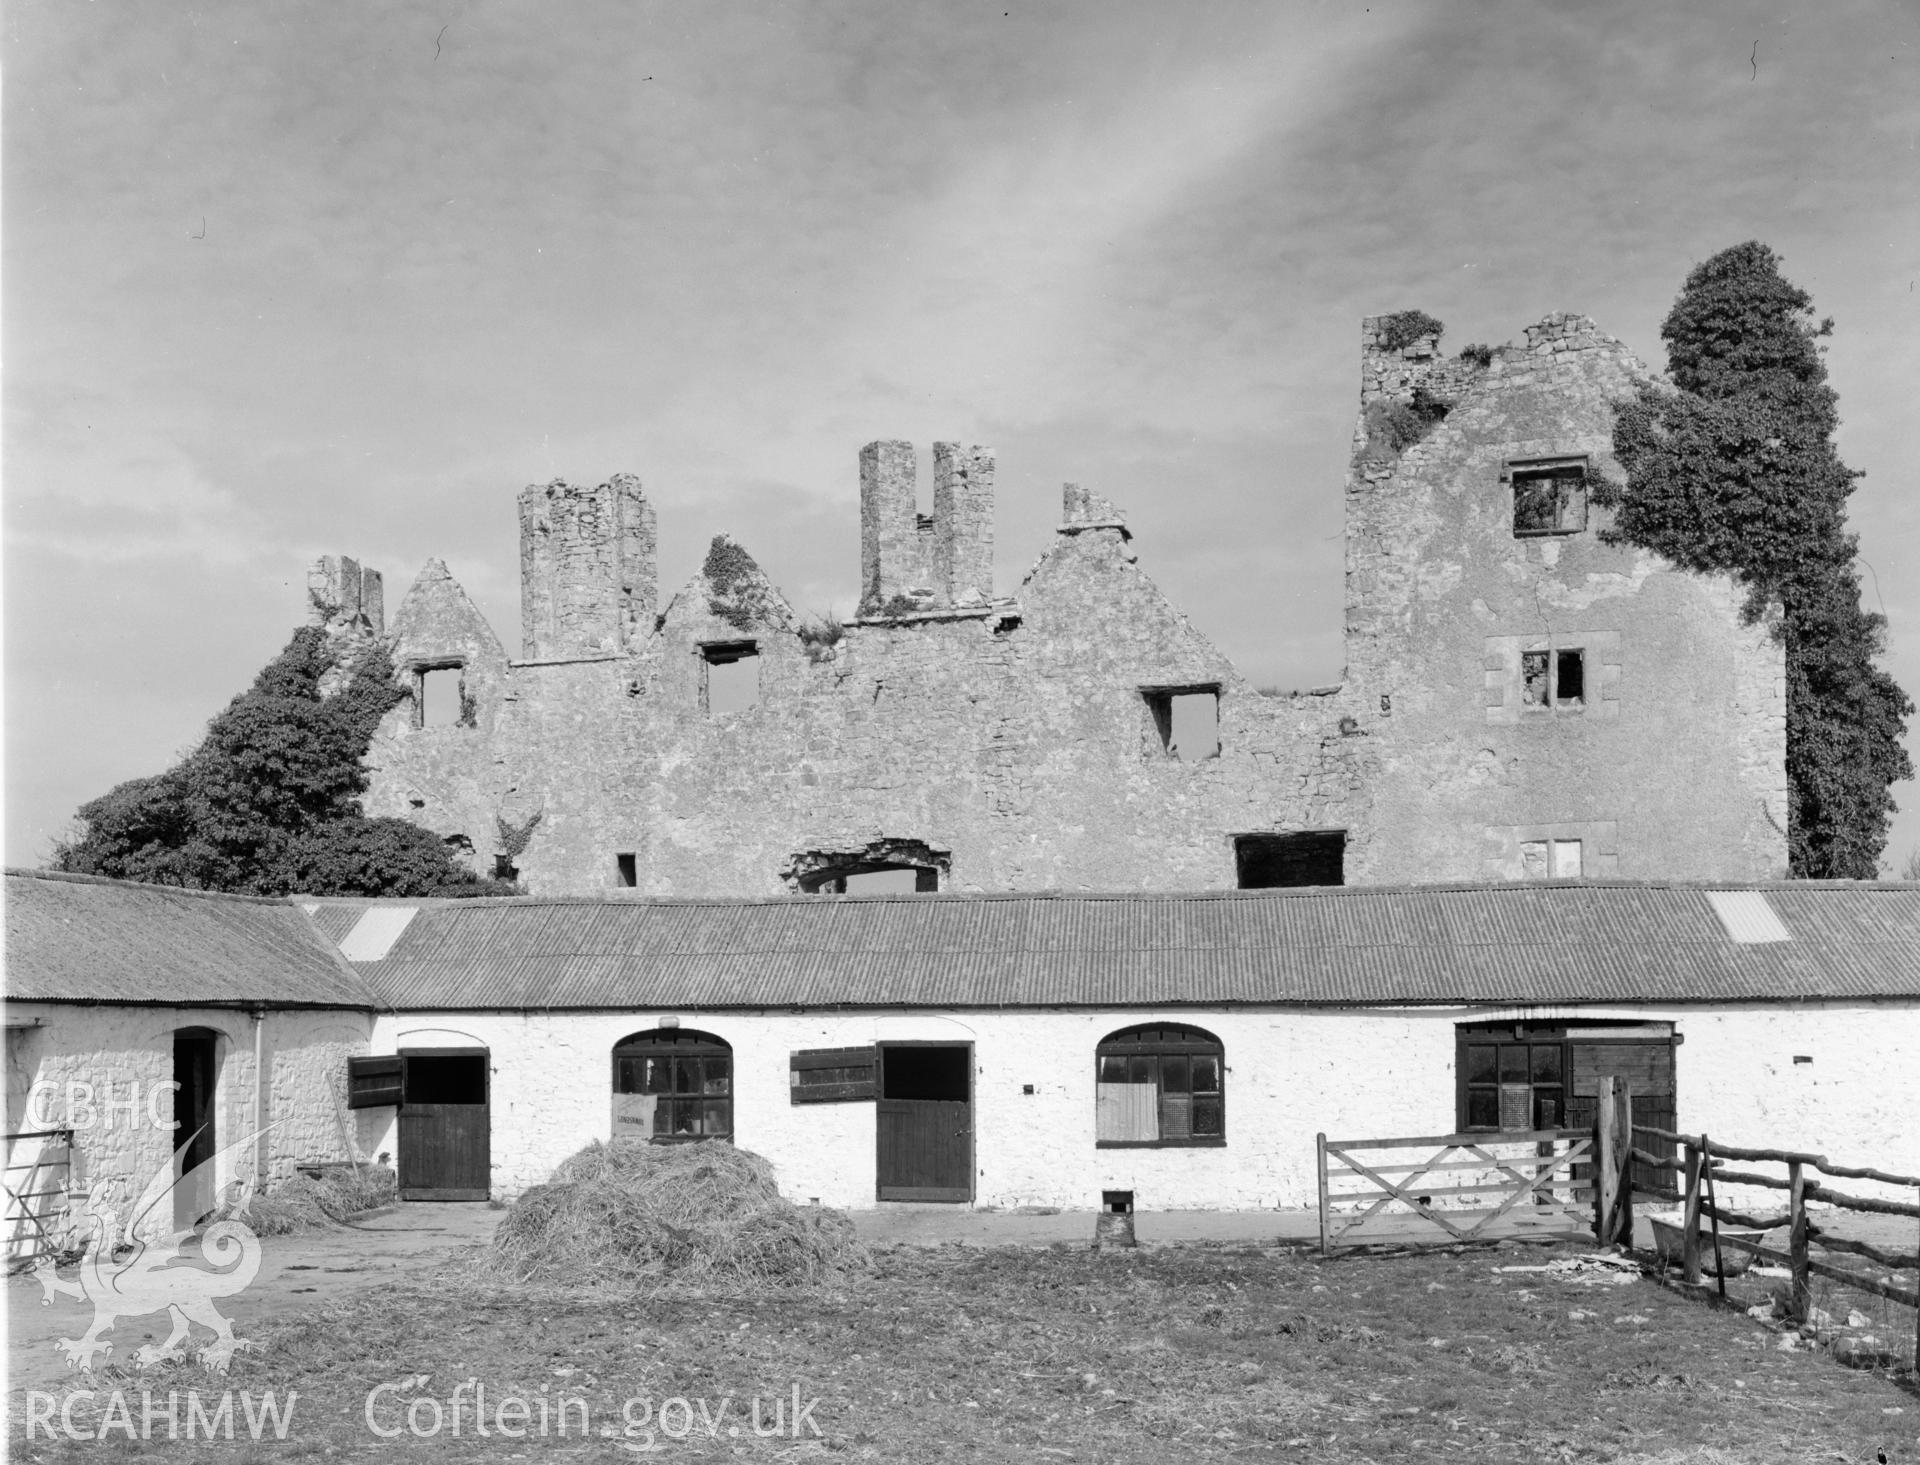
(283, 280)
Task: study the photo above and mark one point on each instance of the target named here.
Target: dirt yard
(1047, 1354)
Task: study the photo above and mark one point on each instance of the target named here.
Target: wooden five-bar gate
(1483, 1194)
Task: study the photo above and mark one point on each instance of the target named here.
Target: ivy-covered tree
(269, 803)
(1737, 471)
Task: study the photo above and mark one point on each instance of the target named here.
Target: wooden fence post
(1797, 1220)
(1690, 1221)
(1623, 1128)
(1320, 1159)
(1606, 1166)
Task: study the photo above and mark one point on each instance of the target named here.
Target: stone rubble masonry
(1680, 745)
(587, 568)
(1017, 735)
(912, 562)
(963, 524)
(301, 1107)
(348, 601)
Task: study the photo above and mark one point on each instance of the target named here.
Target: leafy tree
(1737, 471)
(269, 803)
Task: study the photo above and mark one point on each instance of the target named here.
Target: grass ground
(1052, 1355)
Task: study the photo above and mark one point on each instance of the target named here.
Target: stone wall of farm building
(1674, 766)
(1009, 741)
(1289, 1074)
(118, 1050)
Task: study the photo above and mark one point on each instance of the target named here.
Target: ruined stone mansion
(1520, 700)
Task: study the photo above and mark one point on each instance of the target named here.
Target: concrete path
(293, 1271)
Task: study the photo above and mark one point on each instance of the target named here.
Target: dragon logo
(124, 1276)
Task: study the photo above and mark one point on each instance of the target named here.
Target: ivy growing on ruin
(269, 802)
(1734, 469)
(733, 583)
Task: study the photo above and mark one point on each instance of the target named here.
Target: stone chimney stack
(963, 524)
(588, 576)
(912, 561)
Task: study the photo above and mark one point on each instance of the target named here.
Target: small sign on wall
(1516, 1106)
(633, 1115)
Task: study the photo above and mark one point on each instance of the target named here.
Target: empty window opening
(1569, 677)
(873, 880)
(504, 868)
(925, 1073)
(903, 879)
(1551, 859)
(1553, 679)
(1186, 721)
(1550, 498)
(627, 870)
(729, 676)
(887, 866)
(1311, 857)
(439, 695)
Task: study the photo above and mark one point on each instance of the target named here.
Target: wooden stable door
(446, 1133)
(925, 1122)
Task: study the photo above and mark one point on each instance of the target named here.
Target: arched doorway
(672, 1085)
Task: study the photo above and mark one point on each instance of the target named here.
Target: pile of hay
(630, 1213)
(303, 1203)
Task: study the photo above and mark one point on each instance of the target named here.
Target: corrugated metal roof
(1546, 942)
(1747, 916)
(71, 938)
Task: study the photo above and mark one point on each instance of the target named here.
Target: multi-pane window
(1553, 679)
(1160, 1084)
(1549, 498)
(1511, 1085)
(672, 1084)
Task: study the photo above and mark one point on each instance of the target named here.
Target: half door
(925, 1122)
(446, 1133)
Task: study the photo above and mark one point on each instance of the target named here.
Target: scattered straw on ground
(306, 1204)
(630, 1214)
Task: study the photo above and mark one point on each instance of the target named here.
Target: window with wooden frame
(1543, 1075)
(1159, 1085)
(832, 1075)
(1549, 496)
(672, 1085)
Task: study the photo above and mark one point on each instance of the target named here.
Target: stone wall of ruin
(1020, 741)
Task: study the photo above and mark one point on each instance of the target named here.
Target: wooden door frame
(973, 1128)
(486, 1068)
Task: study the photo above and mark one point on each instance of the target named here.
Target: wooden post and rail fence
(1614, 1166)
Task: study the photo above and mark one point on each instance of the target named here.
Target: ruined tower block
(343, 593)
(893, 560)
(347, 600)
(963, 524)
(588, 573)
